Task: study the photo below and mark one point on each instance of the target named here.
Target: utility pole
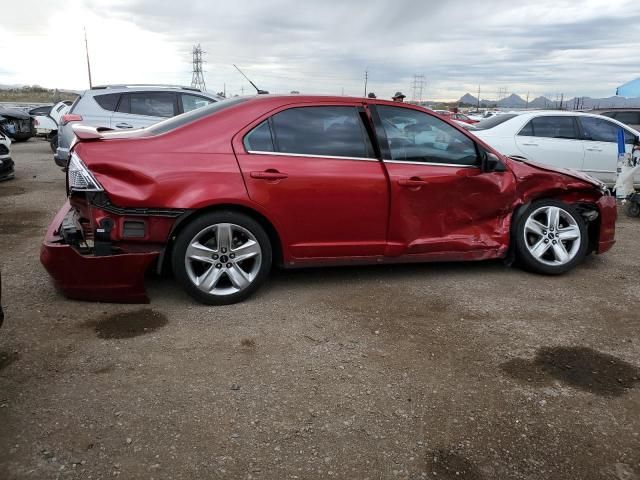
(86, 48)
(366, 78)
(478, 98)
(527, 104)
(197, 79)
(561, 100)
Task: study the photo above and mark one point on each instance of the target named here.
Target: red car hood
(565, 171)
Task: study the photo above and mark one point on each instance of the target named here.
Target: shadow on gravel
(447, 464)
(14, 221)
(128, 324)
(579, 367)
(11, 190)
(7, 359)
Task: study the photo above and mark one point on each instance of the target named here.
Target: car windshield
(181, 120)
(494, 121)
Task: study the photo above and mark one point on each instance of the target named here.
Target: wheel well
(276, 244)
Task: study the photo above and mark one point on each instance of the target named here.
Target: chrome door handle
(123, 125)
(530, 144)
(593, 149)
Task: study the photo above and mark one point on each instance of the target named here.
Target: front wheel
(222, 257)
(551, 237)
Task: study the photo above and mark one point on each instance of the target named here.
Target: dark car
(221, 193)
(42, 110)
(16, 124)
(628, 116)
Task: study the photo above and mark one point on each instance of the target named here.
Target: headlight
(80, 178)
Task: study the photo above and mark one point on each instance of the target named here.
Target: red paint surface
(325, 211)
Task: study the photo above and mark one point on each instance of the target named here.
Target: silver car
(127, 106)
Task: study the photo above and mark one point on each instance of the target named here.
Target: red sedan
(220, 194)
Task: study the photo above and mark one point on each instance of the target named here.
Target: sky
(577, 48)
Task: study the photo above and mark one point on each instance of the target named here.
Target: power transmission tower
(197, 80)
(418, 86)
(478, 97)
(366, 78)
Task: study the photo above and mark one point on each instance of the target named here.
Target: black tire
(53, 142)
(533, 264)
(632, 209)
(21, 139)
(193, 228)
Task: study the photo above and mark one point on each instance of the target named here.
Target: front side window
(191, 102)
(419, 137)
(562, 127)
(325, 131)
(602, 130)
(152, 104)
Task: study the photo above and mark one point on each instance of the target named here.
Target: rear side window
(630, 118)
(551, 127)
(151, 104)
(108, 101)
(259, 139)
(191, 102)
(326, 131)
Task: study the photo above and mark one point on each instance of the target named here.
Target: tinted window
(152, 104)
(554, 127)
(331, 131)
(419, 137)
(527, 131)
(176, 122)
(108, 101)
(602, 130)
(494, 121)
(191, 102)
(629, 118)
(259, 139)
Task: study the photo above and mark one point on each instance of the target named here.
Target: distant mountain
(512, 101)
(541, 102)
(468, 99)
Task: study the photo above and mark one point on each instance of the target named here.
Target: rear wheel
(632, 209)
(53, 142)
(222, 257)
(551, 237)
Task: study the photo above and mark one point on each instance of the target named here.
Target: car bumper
(608, 215)
(111, 278)
(61, 157)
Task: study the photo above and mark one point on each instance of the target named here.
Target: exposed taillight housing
(79, 178)
(70, 117)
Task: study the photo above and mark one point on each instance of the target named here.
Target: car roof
(145, 87)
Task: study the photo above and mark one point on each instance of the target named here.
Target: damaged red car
(220, 194)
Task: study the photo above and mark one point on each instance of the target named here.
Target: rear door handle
(123, 125)
(412, 182)
(530, 144)
(269, 175)
(593, 149)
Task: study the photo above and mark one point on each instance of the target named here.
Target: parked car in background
(41, 110)
(222, 192)
(6, 163)
(47, 125)
(123, 107)
(16, 124)
(580, 141)
(456, 117)
(628, 116)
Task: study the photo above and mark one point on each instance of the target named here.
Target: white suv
(127, 106)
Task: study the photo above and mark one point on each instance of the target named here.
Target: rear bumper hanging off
(112, 278)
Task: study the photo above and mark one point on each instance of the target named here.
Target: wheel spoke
(553, 218)
(539, 249)
(197, 251)
(223, 235)
(535, 226)
(248, 250)
(239, 278)
(569, 233)
(208, 280)
(560, 252)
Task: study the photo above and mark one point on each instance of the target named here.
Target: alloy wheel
(552, 235)
(223, 259)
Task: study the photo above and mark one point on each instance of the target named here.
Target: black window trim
(386, 151)
(276, 146)
(115, 108)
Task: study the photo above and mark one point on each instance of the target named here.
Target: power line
(197, 79)
(418, 86)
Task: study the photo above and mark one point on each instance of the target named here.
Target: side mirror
(491, 163)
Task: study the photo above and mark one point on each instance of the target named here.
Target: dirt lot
(440, 371)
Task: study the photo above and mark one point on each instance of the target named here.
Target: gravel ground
(440, 371)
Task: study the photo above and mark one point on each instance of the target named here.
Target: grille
(3, 149)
